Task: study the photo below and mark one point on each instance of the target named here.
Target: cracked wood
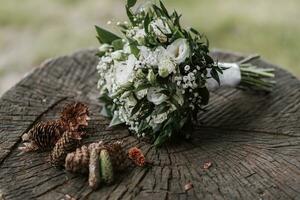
(252, 140)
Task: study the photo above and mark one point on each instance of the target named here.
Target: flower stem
(256, 78)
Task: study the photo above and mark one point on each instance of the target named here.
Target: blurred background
(34, 30)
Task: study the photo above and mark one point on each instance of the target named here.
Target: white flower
(101, 66)
(106, 59)
(179, 50)
(166, 67)
(108, 77)
(124, 70)
(187, 68)
(104, 47)
(165, 64)
(145, 52)
(148, 57)
(155, 96)
(160, 29)
(139, 36)
(126, 48)
(141, 94)
(117, 55)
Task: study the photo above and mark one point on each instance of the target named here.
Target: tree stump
(252, 141)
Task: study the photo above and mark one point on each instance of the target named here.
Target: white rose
(155, 96)
(165, 65)
(124, 70)
(179, 50)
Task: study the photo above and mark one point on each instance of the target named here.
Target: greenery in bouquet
(157, 77)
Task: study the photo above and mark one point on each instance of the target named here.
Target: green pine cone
(106, 168)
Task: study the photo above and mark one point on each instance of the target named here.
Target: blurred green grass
(33, 30)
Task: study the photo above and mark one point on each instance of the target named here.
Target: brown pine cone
(76, 115)
(94, 169)
(66, 144)
(43, 136)
(137, 156)
(118, 155)
(78, 161)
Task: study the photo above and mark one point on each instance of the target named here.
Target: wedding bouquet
(157, 77)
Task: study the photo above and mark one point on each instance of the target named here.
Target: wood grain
(252, 140)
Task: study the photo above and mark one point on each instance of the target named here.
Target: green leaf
(158, 11)
(105, 99)
(137, 106)
(115, 120)
(164, 9)
(182, 122)
(204, 93)
(162, 108)
(162, 138)
(105, 36)
(118, 44)
(133, 48)
(131, 3)
(220, 70)
(130, 16)
(215, 75)
(177, 34)
(194, 31)
(147, 21)
(142, 126)
(100, 54)
(175, 103)
(142, 87)
(105, 112)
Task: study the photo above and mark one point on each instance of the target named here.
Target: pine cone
(94, 169)
(137, 156)
(78, 161)
(106, 167)
(119, 157)
(66, 144)
(43, 136)
(76, 115)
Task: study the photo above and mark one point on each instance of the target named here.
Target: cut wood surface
(252, 141)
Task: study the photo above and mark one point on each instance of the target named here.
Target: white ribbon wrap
(231, 77)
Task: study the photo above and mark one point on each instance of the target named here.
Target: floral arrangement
(157, 77)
